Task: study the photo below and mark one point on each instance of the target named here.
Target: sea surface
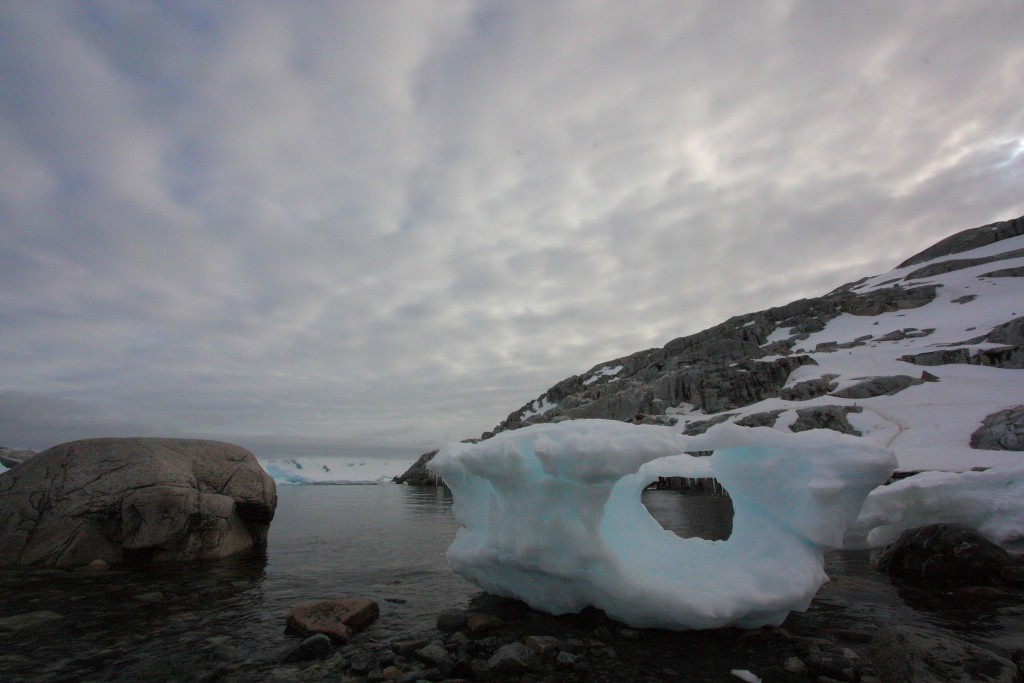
(387, 542)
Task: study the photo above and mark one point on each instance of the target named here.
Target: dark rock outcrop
(826, 417)
(418, 474)
(945, 553)
(121, 500)
(812, 388)
(11, 457)
(951, 265)
(765, 419)
(878, 386)
(968, 239)
(1001, 431)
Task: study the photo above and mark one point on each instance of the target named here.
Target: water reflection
(691, 514)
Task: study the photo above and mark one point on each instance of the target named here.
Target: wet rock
(826, 417)
(514, 658)
(338, 619)
(151, 597)
(479, 624)
(1001, 431)
(314, 647)
(944, 553)
(543, 645)
(566, 659)
(406, 648)
(451, 621)
(28, 620)
(434, 655)
(825, 658)
(878, 386)
(134, 500)
(360, 663)
(98, 565)
(905, 654)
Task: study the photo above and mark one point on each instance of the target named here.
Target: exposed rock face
(1002, 431)
(945, 553)
(138, 499)
(418, 474)
(826, 417)
(9, 457)
(733, 365)
(878, 386)
(969, 239)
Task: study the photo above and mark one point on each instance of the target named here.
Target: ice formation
(331, 470)
(991, 501)
(551, 515)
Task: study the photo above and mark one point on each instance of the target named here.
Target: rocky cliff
(820, 362)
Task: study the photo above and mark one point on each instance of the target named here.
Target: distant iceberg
(327, 470)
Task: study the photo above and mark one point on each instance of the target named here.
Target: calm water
(386, 542)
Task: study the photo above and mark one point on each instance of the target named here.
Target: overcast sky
(387, 225)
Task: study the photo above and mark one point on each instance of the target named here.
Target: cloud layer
(391, 224)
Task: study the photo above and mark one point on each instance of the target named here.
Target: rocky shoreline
(504, 640)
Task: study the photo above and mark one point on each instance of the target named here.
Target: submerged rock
(135, 499)
(946, 553)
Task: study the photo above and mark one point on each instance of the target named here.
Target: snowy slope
(927, 425)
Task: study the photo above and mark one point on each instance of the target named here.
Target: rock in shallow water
(944, 552)
(122, 500)
(338, 619)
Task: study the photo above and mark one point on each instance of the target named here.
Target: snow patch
(603, 372)
(991, 501)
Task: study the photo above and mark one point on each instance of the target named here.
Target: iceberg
(991, 501)
(331, 470)
(551, 515)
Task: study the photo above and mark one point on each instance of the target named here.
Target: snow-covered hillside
(331, 470)
(928, 425)
(915, 359)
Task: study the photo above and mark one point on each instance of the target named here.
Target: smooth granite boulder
(134, 499)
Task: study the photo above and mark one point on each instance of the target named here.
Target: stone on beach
(134, 499)
(339, 619)
(944, 552)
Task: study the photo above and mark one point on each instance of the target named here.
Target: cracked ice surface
(551, 515)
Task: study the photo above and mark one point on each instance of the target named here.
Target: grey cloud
(384, 225)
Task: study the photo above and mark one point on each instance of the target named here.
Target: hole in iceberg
(690, 508)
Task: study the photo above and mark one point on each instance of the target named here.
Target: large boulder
(945, 553)
(134, 499)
